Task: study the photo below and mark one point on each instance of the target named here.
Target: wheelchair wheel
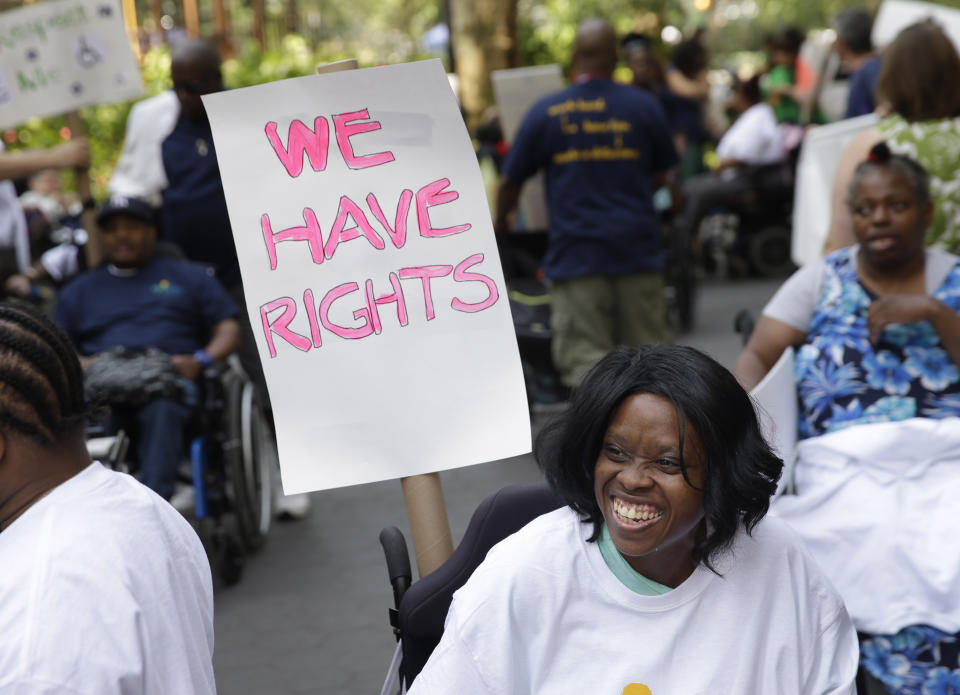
(251, 456)
(768, 251)
(680, 280)
(227, 556)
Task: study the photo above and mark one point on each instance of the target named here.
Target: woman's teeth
(635, 512)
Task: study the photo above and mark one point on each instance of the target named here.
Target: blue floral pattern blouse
(843, 379)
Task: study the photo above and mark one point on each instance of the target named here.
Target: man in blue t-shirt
(137, 301)
(605, 149)
(854, 47)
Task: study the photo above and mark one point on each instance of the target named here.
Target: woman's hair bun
(879, 153)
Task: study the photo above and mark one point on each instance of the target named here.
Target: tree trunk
(291, 18)
(191, 18)
(221, 22)
(157, 35)
(259, 31)
(483, 33)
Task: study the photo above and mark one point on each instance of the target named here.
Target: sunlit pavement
(310, 614)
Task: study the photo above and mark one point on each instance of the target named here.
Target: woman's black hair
(741, 470)
(41, 382)
(689, 57)
(881, 156)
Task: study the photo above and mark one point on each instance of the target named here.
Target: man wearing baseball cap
(136, 301)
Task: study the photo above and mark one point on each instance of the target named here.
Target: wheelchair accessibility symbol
(6, 94)
(88, 51)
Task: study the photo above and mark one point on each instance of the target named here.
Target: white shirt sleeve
(139, 171)
(451, 668)
(61, 261)
(836, 659)
(754, 138)
(796, 300)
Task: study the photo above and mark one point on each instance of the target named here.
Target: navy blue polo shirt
(168, 304)
(194, 209)
(600, 144)
(863, 84)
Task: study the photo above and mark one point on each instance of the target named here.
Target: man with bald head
(168, 158)
(605, 148)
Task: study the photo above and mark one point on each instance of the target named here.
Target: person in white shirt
(754, 140)
(661, 576)
(14, 237)
(106, 588)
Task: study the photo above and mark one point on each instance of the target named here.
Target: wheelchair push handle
(398, 561)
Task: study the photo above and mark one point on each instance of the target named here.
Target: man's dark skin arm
(669, 179)
(508, 197)
(224, 341)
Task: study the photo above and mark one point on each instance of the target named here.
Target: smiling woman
(650, 493)
(662, 551)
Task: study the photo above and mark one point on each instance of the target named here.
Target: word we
(315, 143)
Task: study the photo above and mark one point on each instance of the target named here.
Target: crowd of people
(658, 456)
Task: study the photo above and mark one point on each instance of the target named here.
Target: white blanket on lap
(879, 508)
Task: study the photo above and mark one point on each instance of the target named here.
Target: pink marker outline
(345, 129)
(301, 140)
(398, 234)
(309, 232)
(428, 196)
(427, 273)
(353, 333)
(280, 325)
(338, 234)
(460, 274)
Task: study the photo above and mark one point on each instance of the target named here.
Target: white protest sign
(59, 55)
(516, 90)
(371, 275)
(775, 400)
(895, 15)
(822, 147)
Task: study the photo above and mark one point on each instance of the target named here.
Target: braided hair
(881, 156)
(41, 382)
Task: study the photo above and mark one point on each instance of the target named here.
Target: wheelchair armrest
(743, 324)
(398, 561)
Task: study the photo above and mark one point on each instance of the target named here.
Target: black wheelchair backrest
(424, 606)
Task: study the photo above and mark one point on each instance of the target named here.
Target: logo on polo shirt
(165, 287)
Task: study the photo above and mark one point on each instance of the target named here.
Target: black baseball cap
(126, 205)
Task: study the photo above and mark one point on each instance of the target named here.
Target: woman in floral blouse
(877, 332)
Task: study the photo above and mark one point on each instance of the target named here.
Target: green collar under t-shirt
(622, 570)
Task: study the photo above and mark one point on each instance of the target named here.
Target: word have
(315, 143)
(368, 314)
(433, 194)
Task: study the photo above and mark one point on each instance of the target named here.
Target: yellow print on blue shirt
(636, 689)
(611, 125)
(597, 105)
(599, 153)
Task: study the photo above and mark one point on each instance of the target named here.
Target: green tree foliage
(546, 28)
